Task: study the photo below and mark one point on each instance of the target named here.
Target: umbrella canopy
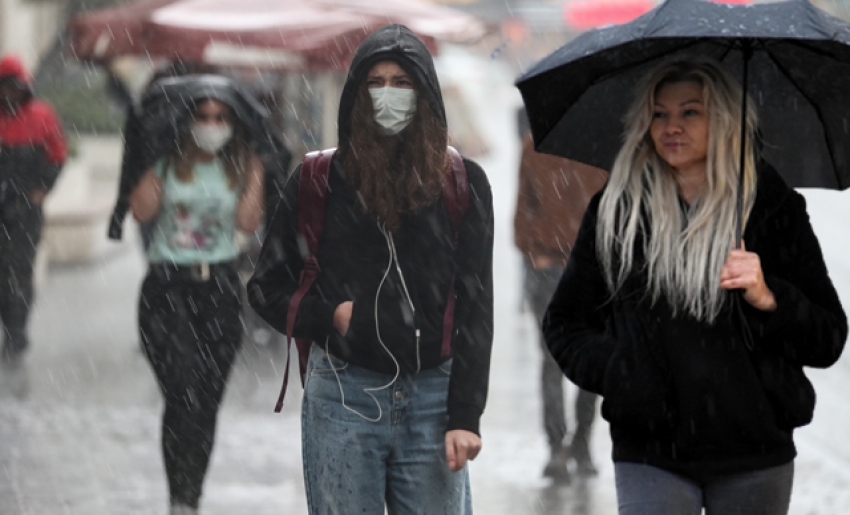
(291, 34)
(798, 75)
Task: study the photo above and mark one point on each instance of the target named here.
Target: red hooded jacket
(32, 143)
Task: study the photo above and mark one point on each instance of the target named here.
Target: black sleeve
(276, 166)
(574, 326)
(473, 321)
(809, 325)
(134, 162)
(276, 276)
(29, 166)
(45, 173)
(49, 173)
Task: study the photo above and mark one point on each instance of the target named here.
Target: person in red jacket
(32, 151)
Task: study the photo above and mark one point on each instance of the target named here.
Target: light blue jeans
(367, 448)
(647, 490)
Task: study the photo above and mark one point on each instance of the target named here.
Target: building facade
(28, 28)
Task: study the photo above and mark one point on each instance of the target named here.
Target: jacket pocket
(323, 362)
(789, 392)
(637, 396)
(362, 323)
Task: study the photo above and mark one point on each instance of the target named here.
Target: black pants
(540, 285)
(191, 332)
(20, 231)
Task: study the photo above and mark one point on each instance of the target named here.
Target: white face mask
(210, 138)
(394, 108)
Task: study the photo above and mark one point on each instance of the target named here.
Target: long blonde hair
(684, 249)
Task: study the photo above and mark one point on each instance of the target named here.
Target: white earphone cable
(369, 391)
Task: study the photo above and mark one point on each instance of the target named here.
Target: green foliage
(79, 6)
(85, 108)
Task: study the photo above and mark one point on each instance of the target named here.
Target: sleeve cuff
(466, 417)
(764, 324)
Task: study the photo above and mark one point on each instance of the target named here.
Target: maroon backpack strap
(312, 194)
(456, 198)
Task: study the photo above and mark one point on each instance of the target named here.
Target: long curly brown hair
(399, 173)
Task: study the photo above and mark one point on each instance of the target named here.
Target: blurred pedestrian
(553, 195)
(393, 394)
(208, 186)
(135, 161)
(32, 152)
(696, 347)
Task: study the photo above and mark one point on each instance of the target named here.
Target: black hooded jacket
(686, 395)
(354, 258)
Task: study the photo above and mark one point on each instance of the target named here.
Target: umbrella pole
(747, 51)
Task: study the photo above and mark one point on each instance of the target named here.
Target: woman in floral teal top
(209, 187)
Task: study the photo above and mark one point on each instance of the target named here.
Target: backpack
(312, 194)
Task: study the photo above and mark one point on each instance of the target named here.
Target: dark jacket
(682, 394)
(354, 256)
(32, 143)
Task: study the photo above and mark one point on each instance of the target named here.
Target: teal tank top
(197, 219)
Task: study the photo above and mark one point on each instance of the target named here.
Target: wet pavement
(79, 420)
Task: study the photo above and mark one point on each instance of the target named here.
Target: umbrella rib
(815, 50)
(638, 64)
(739, 43)
(721, 42)
(818, 112)
(726, 53)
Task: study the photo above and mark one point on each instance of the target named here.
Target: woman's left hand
(743, 271)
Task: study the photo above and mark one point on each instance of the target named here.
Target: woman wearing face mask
(207, 188)
(390, 415)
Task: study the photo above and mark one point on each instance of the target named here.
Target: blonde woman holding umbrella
(696, 347)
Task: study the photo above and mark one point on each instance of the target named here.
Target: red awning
(589, 14)
(294, 34)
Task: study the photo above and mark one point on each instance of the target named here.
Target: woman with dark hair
(207, 188)
(393, 396)
(697, 347)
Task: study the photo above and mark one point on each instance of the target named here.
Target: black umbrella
(165, 116)
(792, 58)
(167, 108)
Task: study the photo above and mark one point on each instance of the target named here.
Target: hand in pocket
(342, 317)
